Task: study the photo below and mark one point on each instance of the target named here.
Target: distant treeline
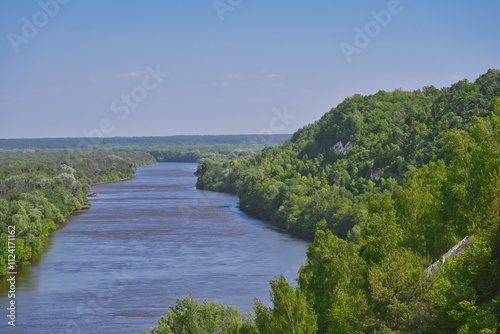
(191, 140)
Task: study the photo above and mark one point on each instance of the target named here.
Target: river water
(144, 243)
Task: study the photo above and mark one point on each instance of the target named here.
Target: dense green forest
(384, 184)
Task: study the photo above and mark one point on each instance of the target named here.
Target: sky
(75, 68)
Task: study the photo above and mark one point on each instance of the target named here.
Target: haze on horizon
(158, 68)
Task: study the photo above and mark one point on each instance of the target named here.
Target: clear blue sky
(231, 70)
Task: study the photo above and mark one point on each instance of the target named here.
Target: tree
(464, 295)
(380, 234)
(290, 314)
(332, 273)
(419, 205)
(190, 316)
(397, 288)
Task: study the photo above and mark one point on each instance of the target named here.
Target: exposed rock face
(454, 251)
(375, 175)
(340, 148)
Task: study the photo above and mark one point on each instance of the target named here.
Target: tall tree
(333, 273)
(290, 314)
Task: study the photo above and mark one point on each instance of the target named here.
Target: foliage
(397, 290)
(290, 314)
(334, 274)
(190, 316)
(199, 153)
(466, 294)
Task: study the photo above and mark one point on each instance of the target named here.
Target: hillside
(385, 184)
(367, 144)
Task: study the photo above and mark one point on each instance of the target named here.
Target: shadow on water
(233, 207)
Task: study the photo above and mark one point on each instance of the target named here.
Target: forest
(383, 185)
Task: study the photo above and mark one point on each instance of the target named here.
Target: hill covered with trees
(385, 184)
(369, 145)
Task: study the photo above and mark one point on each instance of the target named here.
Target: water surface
(144, 243)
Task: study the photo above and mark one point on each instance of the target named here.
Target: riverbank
(39, 191)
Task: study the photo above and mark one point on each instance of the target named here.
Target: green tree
(380, 234)
(333, 273)
(290, 312)
(397, 290)
(190, 316)
(419, 205)
(464, 295)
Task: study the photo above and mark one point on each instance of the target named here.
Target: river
(144, 243)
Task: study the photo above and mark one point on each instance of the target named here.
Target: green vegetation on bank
(384, 184)
(200, 153)
(39, 189)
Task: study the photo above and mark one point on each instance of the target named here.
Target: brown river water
(144, 243)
